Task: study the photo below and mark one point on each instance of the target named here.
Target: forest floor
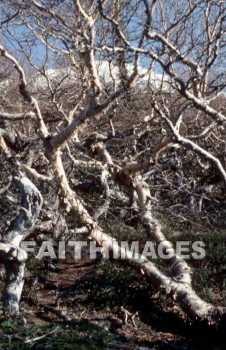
(90, 305)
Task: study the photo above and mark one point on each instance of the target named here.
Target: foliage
(74, 335)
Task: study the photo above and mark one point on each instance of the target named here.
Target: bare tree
(109, 55)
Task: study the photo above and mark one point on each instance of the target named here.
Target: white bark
(178, 286)
(11, 255)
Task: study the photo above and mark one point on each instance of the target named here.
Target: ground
(83, 305)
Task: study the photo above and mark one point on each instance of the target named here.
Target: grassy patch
(81, 335)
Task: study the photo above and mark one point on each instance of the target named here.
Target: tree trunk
(11, 255)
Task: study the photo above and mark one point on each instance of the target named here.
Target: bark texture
(11, 254)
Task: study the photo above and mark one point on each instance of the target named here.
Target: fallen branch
(29, 341)
(178, 288)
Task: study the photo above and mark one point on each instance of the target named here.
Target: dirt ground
(88, 294)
